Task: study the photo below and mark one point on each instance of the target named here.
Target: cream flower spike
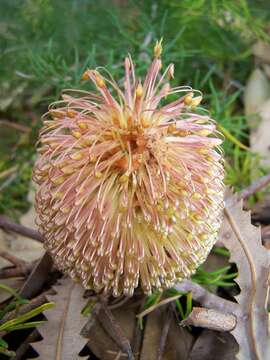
(130, 185)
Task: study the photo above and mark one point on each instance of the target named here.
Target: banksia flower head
(130, 185)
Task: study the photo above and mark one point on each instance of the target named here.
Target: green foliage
(220, 277)
(14, 188)
(183, 304)
(20, 321)
(4, 349)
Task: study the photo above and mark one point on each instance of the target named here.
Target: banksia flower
(130, 185)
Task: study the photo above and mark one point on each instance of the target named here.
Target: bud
(171, 71)
(99, 80)
(158, 48)
(85, 75)
(188, 99)
(139, 90)
(196, 101)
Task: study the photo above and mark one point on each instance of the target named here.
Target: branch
(34, 303)
(14, 260)
(8, 172)
(19, 268)
(210, 319)
(18, 271)
(205, 298)
(257, 185)
(16, 126)
(23, 309)
(10, 225)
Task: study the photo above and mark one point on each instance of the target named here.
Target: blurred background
(218, 46)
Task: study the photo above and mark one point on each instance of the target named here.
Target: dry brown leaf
(257, 107)
(261, 49)
(101, 344)
(261, 210)
(178, 344)
(257, 91)
(61, 333)
(37, 278)
(102, 339)
(215, 346)
(253, 261)
(260, 138)
(266, 236)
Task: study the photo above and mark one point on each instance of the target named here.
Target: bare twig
(8, 181)
(12, 259)
(21, 268)
(204, 297)
(15, 126)
(157, 305)
(257, 185)
(210, 319)
(10, 225)
(123, 341)
(118, 355)
(18, 271)
(8, 172)
(34, 303)
(118, 304)
(164, 334)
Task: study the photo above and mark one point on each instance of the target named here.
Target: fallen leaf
(253, 261)
(102, 340)
(257, 91)
(266, 236)
(61, 333)
(215, 346)
(101, 344)
(266, 69)
(152, 335)
(261, 210)
(261, 49)
(257, 109)
(179, 343)
(179, 340)
(260, 139)
(37, 278)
